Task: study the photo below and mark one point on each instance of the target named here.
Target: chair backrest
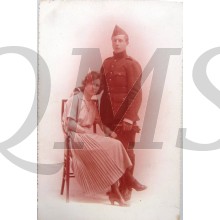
(62, 106)
(62, 110)
(66, 137)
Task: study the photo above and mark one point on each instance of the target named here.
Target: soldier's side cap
(118, 31)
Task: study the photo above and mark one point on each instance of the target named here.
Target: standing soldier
(121, 100)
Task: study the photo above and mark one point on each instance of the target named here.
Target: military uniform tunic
(121, 81)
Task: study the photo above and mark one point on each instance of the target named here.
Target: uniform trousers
(128, 140)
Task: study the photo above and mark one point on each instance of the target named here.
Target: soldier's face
(119, 43)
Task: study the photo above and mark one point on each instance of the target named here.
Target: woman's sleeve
(71, 107)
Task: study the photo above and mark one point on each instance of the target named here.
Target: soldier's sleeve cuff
(128, 121)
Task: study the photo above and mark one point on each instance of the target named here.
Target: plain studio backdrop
(65, 25)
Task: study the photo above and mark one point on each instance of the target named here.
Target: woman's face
(93, 87)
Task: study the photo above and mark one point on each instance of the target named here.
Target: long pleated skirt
(98, 161)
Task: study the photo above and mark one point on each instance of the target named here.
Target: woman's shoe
(137, 186)
(126, 194)
(115, 198)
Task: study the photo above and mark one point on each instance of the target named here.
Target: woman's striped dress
(98, 161)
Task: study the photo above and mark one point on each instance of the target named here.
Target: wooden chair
(67, 171)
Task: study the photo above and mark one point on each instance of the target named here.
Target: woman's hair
(89, 78)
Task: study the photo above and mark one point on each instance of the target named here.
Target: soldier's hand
(126, 126)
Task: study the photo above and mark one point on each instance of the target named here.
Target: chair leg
(67, 177)
(64, 177)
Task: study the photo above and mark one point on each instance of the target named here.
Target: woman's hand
(80, 129)
(113, 135)
(73, 126)
(108, 132)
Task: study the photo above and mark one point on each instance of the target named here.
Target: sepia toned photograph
(109, 134)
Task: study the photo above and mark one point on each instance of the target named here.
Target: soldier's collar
(120, 55)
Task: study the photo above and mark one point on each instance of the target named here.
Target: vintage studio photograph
(110, 97)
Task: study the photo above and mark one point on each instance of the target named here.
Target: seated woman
(98, 161)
